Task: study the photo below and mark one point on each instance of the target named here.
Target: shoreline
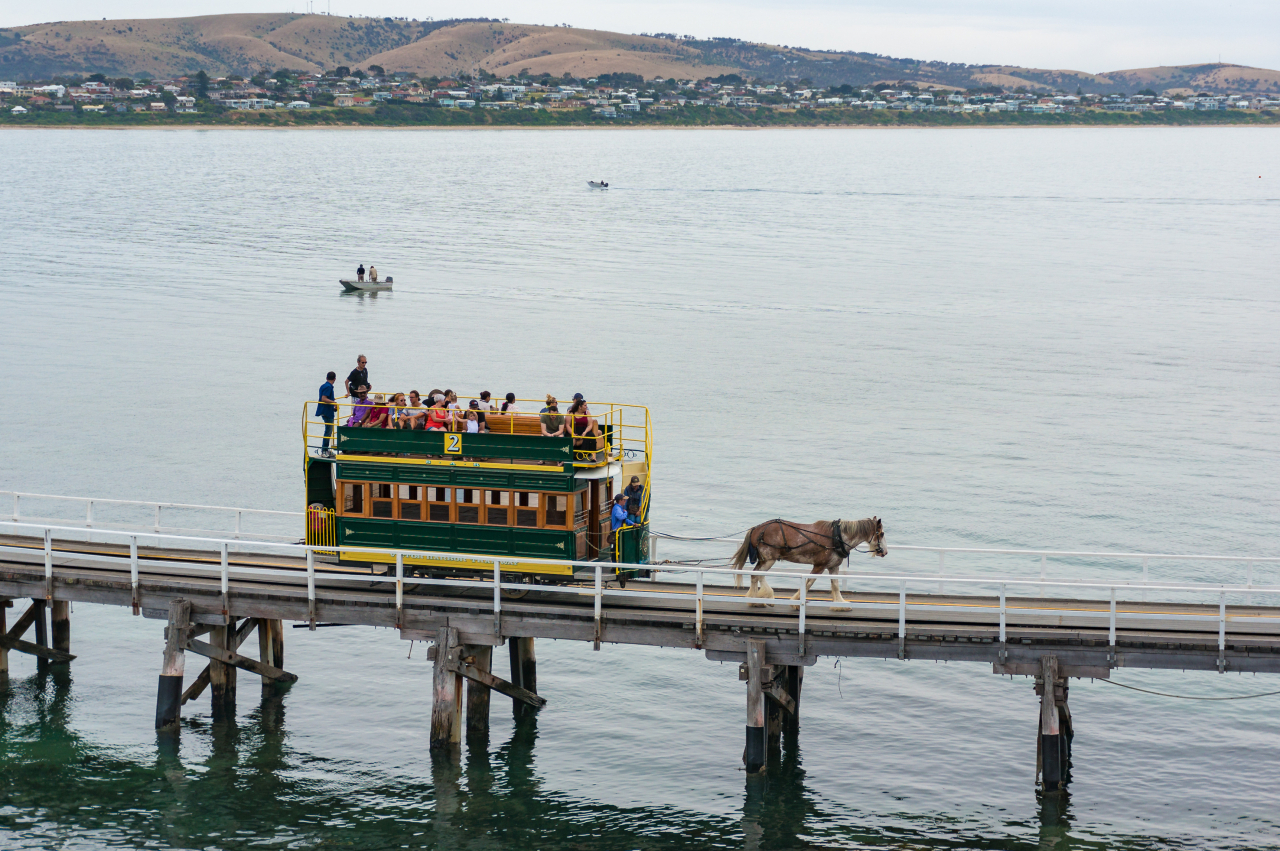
(627, 127)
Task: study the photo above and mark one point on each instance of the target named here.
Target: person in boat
(552, 420)
(360, 273)
(414, 415)
(634, 493)
(373, 273)
(359, 376)
(584, 427)
(380, 416)
(325, 410)
(360, 412)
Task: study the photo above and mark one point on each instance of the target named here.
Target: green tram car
(509, 493)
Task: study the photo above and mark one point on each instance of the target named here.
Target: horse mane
(858, 530)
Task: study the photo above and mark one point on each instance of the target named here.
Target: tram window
(557, 510)
(352, 498)
(468, 505)
(380, 500)
(438, 500)
(497, 508)
(527, 509)
(409, 498)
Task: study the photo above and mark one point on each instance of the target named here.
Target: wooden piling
(42, 631)
(169, 692)
(222, 676)
(478, 695)
(4, 648)
(754, 753)
(270, 647)
(524, 672)
(794, 682)
(61, 617)
(277, 643)
(446, 698)
(1054, 741)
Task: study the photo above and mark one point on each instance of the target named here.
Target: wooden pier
(213, 594)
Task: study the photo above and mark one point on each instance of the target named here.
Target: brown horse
(823, 544)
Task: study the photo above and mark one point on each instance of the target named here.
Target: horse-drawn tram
(519, 487)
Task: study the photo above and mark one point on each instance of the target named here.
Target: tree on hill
(97, 78)
(122, 83)
(342, 71)
(202, 85)
(377, 71)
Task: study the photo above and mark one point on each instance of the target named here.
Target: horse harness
(838, 544)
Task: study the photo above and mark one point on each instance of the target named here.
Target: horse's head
(876, 541)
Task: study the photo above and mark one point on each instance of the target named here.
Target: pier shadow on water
(240, 784)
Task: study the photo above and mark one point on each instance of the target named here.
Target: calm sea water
(1060, 338)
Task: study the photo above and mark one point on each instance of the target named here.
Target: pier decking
(1052, 630)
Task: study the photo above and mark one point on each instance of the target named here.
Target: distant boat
(594, 185)
(365, 286)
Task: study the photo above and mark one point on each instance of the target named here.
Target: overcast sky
(1085, 35)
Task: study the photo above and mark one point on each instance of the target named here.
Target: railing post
(942, 567)
(399, 590)
(311, 588)
(698, 620)
(902, 620)
(1248, 582)
(804, 606)
(238, 513)
(133, 573)
(1044, 572)
(157, 517)
(599, 601)
(1222, 632)
(1144, 578)
(1111, 630)
(48, 565)
(88, 514)
(1004, 639)
(15, 507)
(497, 599)
(226, 604)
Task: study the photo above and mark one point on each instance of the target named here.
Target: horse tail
(746, 551)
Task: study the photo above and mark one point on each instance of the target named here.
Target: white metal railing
(1082, 613)
(155, 511)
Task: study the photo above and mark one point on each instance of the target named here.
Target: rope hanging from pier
(1188, 696)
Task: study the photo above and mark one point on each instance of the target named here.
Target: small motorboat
(365, 286)
(597, 185)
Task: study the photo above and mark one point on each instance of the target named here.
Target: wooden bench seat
(514, 423)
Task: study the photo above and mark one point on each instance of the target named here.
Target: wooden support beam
(231, 659)
(201, 682)
(61, 623)
(776, 692)
(754, 755)
(44, 654)
(446, 698)
(524, 672)
(169, 692)
(480, 658)
(22, 624)
(497, 684)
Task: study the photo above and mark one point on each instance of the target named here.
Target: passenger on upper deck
(325, 410)
(363, 406)
(473, 405)
(359, 377)
(584, 427)
(485, 403)
(552, 420)
(438, 415)
(509, 406)
(380, 416)
(414, 415)
(473, 422)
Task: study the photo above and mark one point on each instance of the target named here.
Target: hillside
(245, 43)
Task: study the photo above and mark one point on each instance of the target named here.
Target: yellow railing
(321, 527)
(627, 425)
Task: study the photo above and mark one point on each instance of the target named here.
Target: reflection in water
(1054, 821)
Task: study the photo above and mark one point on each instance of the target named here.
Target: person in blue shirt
(325, 409)
(617, 518)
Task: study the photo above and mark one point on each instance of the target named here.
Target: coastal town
(607, 97)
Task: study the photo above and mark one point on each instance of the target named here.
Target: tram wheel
(517, 593)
